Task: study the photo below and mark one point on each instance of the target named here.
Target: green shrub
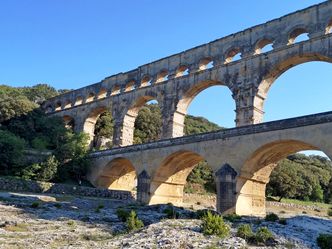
(232, 217)
(122, 214)
(271, 217)
(262, 235)
(133, 223)
(283, 221)
(34, 205)
(324, 241)
(213, 224)
(329, 212)
(244, 231)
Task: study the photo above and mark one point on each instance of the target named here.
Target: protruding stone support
(226, 189)
(143, 187)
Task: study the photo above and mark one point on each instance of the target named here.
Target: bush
(244, 231)
(283, 221)
(213, 224)
(34, 205)
(324, 241)
(329, 212)
(122, 214)
(262, 235)
(133, 223)
(271, 217)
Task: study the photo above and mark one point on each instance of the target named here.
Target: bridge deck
(313, 119)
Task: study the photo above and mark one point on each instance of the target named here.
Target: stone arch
(162, 76)
(205, 63)
(182, 71)
(129, 117)
(69, 122)
(277, 70)
(58, 106)
(116, 89)
(260, 44)
(232, 53)
(296, 32)
(90, 97)
(185, 99)
(130, 86)
(68, 104)
(49, 108)
(328, 29)
(170, 177)
(78, 100)
(146, 81)
(90, 122)
(118, 174)
(256, 171)
(102, 93)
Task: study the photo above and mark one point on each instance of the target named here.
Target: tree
(12, 107)
(11, 152)
(104, 127)
(39, 93)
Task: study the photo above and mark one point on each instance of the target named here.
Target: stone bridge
(243, 157)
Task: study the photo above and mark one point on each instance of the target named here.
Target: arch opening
(69, 122)
(182, 71)
(298, 35)
(130, 86)
(90, 98)
(115, 90)
(257, 169)
(90, 123)
(102, 93)
(264, 46)
(49, 109)
(103, 131)
(162, 76)
(142, 122)
(206, 63)
(146, 81)
(328, 29)
(58, 106)
(118, 174)
(67, 104)
(233, 55)
(167, 184)
(78, 101)
(194, 113)
(298, 77)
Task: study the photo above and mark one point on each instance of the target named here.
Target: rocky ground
(37, 221)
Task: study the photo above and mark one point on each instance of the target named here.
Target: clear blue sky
(73, 43)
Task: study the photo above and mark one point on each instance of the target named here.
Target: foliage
(213, 224)
(148, 124)
(195, 125)
(302, 177)
(244, 231)
(44, 171)
(11, 152)
(11, 107)
(271, 217)
(122, 214)
(324, 241)
(262, 235)
(329, 211)
(133, 223)
(104, 127)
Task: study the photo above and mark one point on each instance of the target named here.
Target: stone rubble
(75, 222)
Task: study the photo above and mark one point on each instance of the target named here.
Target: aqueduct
(243, 157)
